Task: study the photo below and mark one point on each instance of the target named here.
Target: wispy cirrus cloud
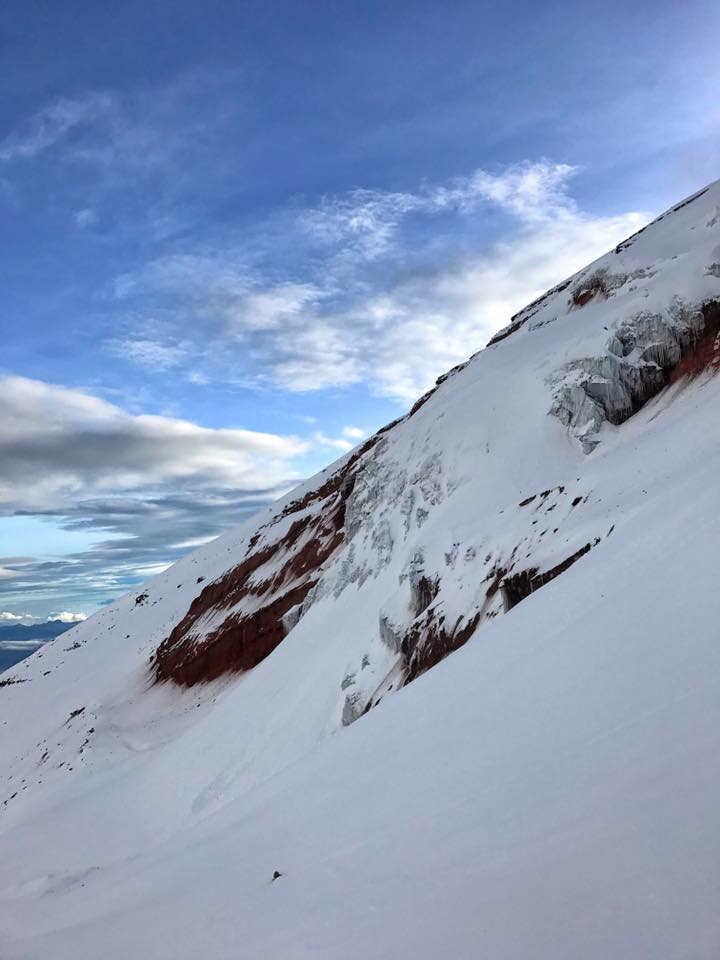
(368, 220)
(129, 156)
(376, 305)
(153, 354)
(51, 125)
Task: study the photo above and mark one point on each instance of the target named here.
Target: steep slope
(548, 790)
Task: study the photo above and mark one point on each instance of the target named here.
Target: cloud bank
(58, 444)
(144, 488)
(65, 616)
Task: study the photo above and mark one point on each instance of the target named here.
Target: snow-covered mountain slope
(462, 689)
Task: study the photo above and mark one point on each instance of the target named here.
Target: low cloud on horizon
(27, 619)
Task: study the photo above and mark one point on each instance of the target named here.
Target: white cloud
(57, 442)
(336, 443)
(370, 303)
(348, 439)
(149, 353)
(151, 569)
(368, 219)
(65, 616)
(20, 645)
(5, 615)
(436, 321)
(400, 340)
(192, 543)
(52, 124)
(320, 350)
(532, 191)
(193, 276)
(272, 308)
(86, 217)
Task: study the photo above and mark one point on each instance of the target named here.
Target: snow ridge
(456, 695)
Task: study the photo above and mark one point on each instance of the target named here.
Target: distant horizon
(14, 620)
(16, 646)
(240, 238)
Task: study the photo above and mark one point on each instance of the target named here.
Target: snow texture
(547, 790)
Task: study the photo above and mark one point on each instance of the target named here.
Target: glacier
(461, 690)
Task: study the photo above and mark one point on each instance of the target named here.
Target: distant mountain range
(16, 639)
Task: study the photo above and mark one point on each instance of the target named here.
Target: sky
(238, 237)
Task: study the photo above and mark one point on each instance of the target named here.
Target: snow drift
(460, 690)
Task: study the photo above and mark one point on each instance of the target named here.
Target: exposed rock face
(238, 620)
(597, 286)
(430, 640)
(520, 585)
(703, 354)
(423, 588)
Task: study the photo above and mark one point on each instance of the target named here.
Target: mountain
(19, 640)
(457, 695)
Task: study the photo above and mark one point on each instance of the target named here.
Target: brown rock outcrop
(239, 619)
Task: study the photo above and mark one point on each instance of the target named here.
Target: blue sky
(238, 237)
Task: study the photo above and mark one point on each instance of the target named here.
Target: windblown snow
(461, 691)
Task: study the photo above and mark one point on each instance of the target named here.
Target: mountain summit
(457, 695)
